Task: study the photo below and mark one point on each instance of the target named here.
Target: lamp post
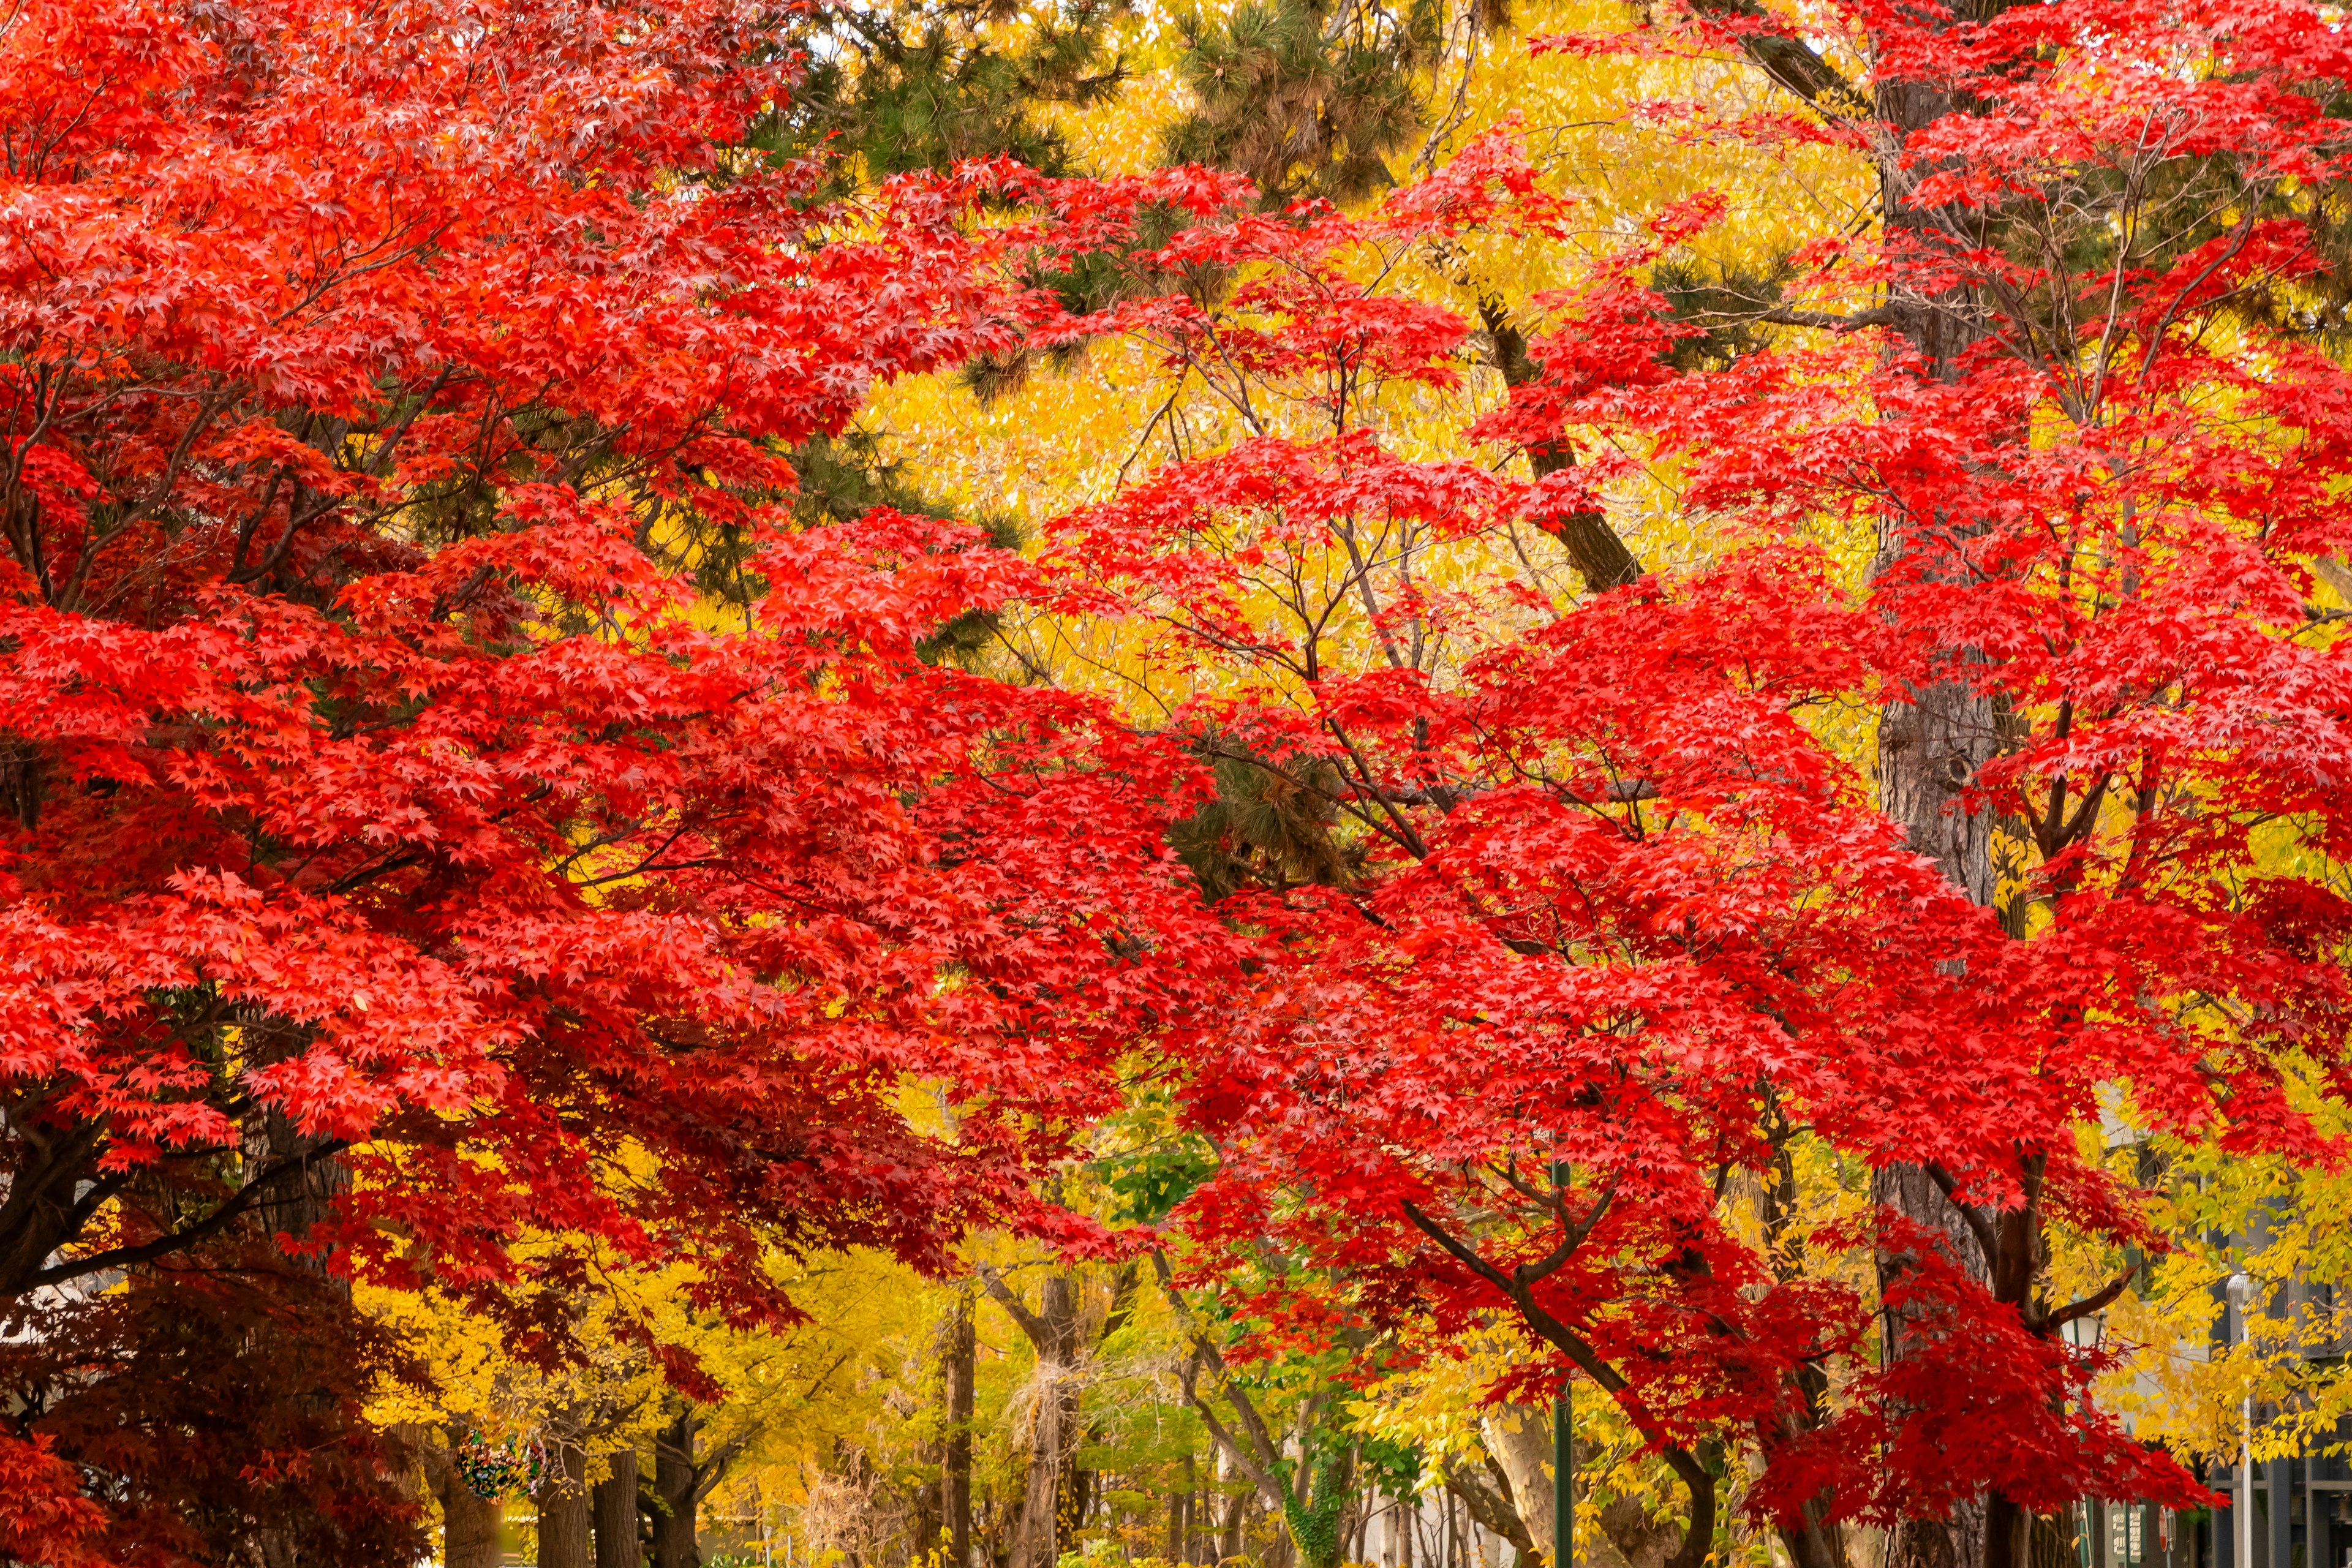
(2241, 1295)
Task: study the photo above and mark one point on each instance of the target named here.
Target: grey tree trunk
(1520, 1440)
(1930, 749)
(614, 1508)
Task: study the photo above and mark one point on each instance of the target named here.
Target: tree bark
(1042, 1531)
(469, 1524)
(614, 1508)
(1930, 748)
(304, 1192)
(1521, 1441)
(1229, 1538)
(563, 1511)
(1600, 557)
(955, 1466)
(675, 1545)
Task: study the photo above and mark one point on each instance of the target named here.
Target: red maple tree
(1583, 916)
(402, 853)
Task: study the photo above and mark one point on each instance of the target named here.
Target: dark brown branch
(1032, 1325)
(1698, 1536)
(1979, 1223)
(188, 1236)
(1572, 1238)
(1789, 61)
(1594, 549)
(2097, 1301)
(1828, 321)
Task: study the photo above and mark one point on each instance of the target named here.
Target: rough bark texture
(1929, 750)
(563, 1511)
(614, 1510)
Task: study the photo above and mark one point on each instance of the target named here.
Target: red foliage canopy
(381, 386)
(1586, 917)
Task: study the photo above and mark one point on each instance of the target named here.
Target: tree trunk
(1228, 1539)
(615, 1506)
(1520, 1440)
(563, 1511)
(1643, 1542)
(674, 1477)
(469, 1524)
(1043, 1530)
(955, 1467)
(302, 1196)
(1930, 749)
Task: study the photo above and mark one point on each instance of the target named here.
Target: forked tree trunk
(675, 1545)
(1229, 1534)
(1042, 1527)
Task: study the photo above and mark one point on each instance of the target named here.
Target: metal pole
(1563, 1475)
(2240, 1292)
(2246, 1483)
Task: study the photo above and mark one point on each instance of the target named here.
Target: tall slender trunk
(614, 1508)
(955, 1466)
